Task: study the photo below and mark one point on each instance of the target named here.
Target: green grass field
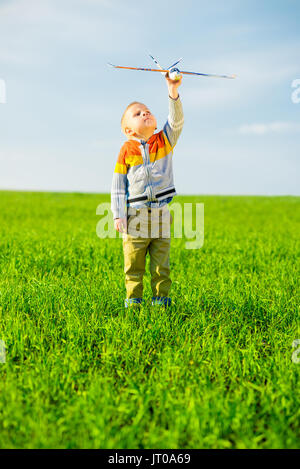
(214, 371)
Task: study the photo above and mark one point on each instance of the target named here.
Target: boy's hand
(172, 86)
(120, 224)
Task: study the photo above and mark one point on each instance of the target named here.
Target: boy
(143, 179)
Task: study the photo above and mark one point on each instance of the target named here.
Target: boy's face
(139, 122)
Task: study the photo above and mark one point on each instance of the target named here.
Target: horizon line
(179, 195)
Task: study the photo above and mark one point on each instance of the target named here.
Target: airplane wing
(173, 65)
(139, 68)
(166, 71)
(154, 60)
(208, 75)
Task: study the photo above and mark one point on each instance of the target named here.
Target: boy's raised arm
(174, 124)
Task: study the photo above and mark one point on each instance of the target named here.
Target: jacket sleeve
(119, 187)
(174, 124)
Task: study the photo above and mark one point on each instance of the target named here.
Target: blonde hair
(124, 114)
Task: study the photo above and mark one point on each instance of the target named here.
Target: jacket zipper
(147, 169)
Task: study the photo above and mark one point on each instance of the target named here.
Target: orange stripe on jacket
(130, 153)
(161, 150)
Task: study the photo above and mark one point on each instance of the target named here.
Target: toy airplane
(173, 73)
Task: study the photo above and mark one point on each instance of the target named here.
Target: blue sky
(60, 125)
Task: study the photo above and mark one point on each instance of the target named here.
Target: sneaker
(133, 302)
(161, 301)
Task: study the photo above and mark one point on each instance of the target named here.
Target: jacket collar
(141, 140)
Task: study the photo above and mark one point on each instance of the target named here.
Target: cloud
(269, 127)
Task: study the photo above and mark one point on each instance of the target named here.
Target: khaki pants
(147, 231)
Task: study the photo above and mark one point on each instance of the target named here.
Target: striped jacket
(144, 170)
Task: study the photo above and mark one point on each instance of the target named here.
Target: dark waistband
(158, 196)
